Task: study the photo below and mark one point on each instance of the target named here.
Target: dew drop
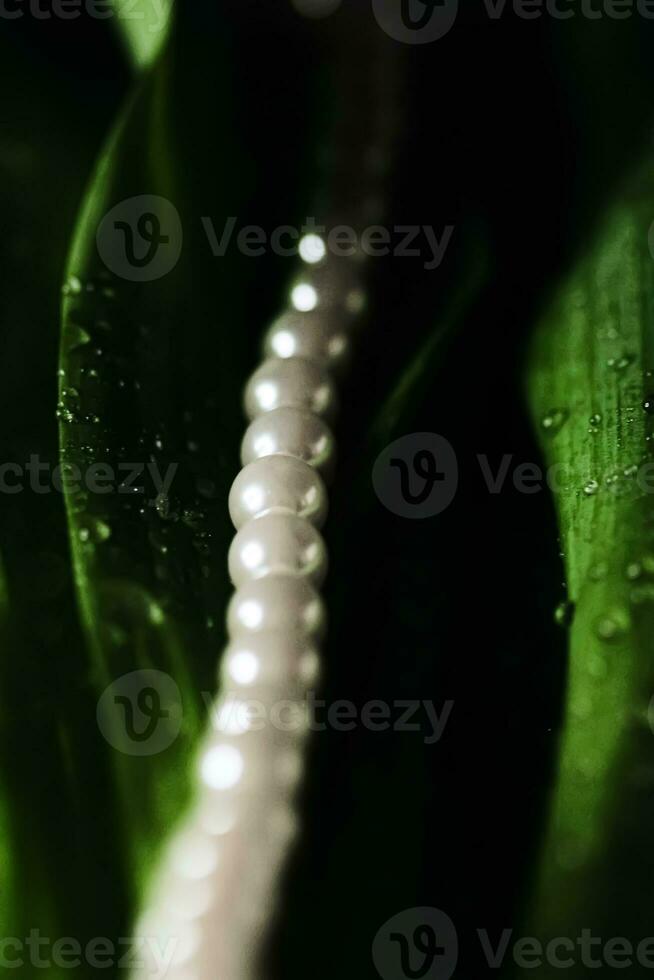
(564, 613)
(591, 487)
(72, 286)
(554, 420)
(621, 362)
(613, 625)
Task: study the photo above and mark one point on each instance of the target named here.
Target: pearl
(277, 543)
(278, 603)
(278, 483)
(292, 382)
(312, 335)
(266, 660)
(289, 432)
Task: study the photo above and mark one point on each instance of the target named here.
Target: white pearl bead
(289, 432)
(278, 603)
(277, 544)
(278, 483)
(315, 336)
(253, 663)
(292, 382)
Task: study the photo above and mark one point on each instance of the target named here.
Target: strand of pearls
(216, 888)
(214, 896)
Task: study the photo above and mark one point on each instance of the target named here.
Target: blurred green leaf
(143, 25)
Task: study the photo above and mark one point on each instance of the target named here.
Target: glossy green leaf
(591, 386)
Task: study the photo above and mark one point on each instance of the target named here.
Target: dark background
(516, 132)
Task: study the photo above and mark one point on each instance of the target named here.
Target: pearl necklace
(215, 890)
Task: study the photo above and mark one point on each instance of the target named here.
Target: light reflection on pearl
(243, 667)
(304, 297)
(250, 615)
(252, 554)
(284, 344)
(253, 498)
(267, 395)
(222, 767)
(312, 249)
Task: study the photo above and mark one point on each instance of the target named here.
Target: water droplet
(591, 487)
(93, 530)
(554, 419)
(564, 613)
(621, 362)
(634, 570)
(648, 404)
(613, 625)
(599, 571)
(72, 286)
(595, 421)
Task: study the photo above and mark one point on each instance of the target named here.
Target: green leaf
(143, 25)
(590, 389)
